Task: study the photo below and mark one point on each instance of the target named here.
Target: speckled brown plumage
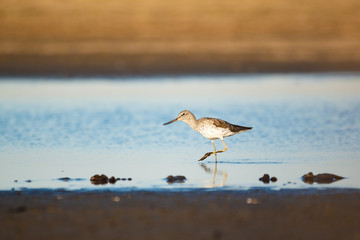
(211, 128)
(233, 128)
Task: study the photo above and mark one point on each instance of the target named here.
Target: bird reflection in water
(222, 174)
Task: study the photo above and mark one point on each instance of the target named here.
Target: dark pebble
(175, 179)
(15, 180)
(99, 179)
(273, 179)
(103, 179)
(28, 181)
(265, 178)
(112, 180)
(320, 178)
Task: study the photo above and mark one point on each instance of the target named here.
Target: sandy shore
(252, 214)
(146, 37)
(167, 64)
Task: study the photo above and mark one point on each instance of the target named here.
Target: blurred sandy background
(116, 37)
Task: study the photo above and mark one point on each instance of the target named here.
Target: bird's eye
(183, 114)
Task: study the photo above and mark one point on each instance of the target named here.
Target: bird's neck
(192, 122)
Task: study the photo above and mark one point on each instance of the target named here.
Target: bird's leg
(215, 152)
(214, 146)
(225, 149)
(215, 155)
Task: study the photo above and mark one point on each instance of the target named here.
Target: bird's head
(183, 116)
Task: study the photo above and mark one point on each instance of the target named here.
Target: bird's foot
(205, 156)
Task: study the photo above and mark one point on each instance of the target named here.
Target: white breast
(212, 132)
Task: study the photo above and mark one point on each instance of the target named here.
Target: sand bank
(252, 214)
(146, 37)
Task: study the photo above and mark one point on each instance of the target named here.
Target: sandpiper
(211, 128)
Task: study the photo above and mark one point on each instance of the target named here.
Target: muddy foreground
(253, 214)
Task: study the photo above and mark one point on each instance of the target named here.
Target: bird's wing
(232, 127)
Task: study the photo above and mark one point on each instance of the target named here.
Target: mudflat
(48, 37)
(251, 214)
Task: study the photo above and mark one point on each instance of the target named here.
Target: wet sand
(149, 65)
(252, 214)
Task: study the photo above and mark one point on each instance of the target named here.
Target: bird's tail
(241, 128)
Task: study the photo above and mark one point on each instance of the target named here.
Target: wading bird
(211, 128)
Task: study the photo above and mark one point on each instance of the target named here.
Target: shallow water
(53, 128)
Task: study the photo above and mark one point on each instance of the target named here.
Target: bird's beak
(171, 121)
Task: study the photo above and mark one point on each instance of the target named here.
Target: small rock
(28, 181)
(310, 178)
(175, 179)
(103, 179)
(265, 178)
(112, 180)
(99, 179)
(273, 179)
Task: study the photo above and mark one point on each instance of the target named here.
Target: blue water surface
(53, 128)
